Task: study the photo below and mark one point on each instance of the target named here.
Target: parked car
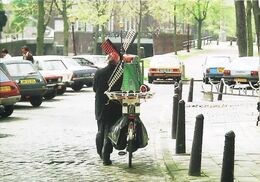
(30, 82)
(80, 75)
(96, 61)
(213, 67)
(165, 67)
(242, 70)
(9, 94)
(54, 83)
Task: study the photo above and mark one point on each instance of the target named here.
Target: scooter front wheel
(130, 152)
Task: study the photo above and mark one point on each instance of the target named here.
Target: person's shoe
(107, 162)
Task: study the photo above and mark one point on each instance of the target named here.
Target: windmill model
(132, 89)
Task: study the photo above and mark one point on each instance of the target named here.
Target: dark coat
(104, 110)
(28, 56)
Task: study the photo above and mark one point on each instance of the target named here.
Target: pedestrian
(26, 54)
(107, 111)
(5, 54)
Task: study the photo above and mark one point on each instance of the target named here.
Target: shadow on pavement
(29, 107)
(11, 119)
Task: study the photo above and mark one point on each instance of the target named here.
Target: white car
(97, 61)
(214, 66)
(242, 70)
(165, 67)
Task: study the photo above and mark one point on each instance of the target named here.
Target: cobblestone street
(56, 142)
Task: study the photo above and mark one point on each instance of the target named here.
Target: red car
(9, 94)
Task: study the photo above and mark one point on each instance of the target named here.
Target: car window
(20, 69)
(52, 65)
(70, 62)
(4, 78)
(99, 60)
(165, 60)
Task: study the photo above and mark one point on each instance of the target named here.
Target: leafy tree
(43, 20)
(241, 28)
(63, 7)
(23, 11)
(137, 9)
(199, 10)
(97, 13)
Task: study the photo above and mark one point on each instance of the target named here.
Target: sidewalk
(233, 113)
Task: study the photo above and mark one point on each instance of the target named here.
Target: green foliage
(95, 12)
(23, 10)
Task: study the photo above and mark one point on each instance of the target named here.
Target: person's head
(24, 49)
(4, 52)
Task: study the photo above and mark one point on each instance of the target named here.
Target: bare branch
(49, 14)
(57, 6)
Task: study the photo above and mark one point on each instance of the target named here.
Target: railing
(193, 43)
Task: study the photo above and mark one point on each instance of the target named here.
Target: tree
(256, 11)
(42, 24)
(63, 9)
(241, 28)
(250, 45)
(137, 9)
(199, 10)
(97, 13)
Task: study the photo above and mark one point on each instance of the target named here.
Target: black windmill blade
(129, 39)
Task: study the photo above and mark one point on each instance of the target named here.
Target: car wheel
(150, 79)
(51, 95)
(8, 110)
(62, 90)
(77, 87)
(36, 101)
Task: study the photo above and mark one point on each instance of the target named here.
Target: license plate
(220, 70)
(242, 80)
(5, 89)
(31, 81)
(165, 70)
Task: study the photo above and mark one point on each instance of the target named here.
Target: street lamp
(72, 20)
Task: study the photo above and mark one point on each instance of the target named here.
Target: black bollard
(180, 133)
(221, 87)
(174, 115)
(227, 174)
(190, 97)
(176, 89)
(195, 159)
(180, 89)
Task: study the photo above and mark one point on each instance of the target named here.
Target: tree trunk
(175, 32)
(103, 35)
(199, 34)
(66, 29)
(256, 11)
(241, 28)
(250, 43)
(40, 29)
(95, 40)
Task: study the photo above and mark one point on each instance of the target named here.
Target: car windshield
(165, 60)
(70, 62)
(218, 60)
(53, 65)
(20, 69)
(4, 78)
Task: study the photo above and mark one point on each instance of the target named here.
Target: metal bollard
(180, 133)
(195, 159)
(174, 115)
(227, 174)
(190, 97)
(176, 89)
(180, 89)
(221, 89)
